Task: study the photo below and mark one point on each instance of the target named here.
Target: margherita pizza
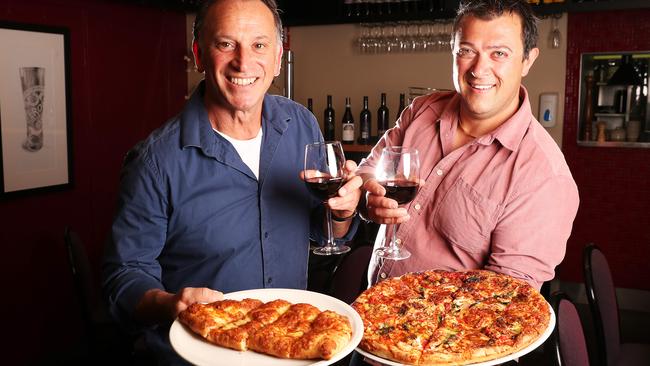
(277, 328)
(450, 318)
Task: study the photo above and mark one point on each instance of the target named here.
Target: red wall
(128, 77)
(614, 183)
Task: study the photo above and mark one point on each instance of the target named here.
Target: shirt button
(269, 280)
(266, 235)
(439, 172)
(417, 206)
(382, 275)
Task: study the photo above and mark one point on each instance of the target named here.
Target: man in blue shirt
(212, 201)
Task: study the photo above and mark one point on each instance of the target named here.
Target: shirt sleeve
(529, 240)
(137, 237)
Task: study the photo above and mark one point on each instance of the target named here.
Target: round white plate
(497, 361)
(198, 351)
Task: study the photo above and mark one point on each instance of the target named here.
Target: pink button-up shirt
(503, 202)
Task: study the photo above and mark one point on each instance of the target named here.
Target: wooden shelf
(643, 145)
(357, 148)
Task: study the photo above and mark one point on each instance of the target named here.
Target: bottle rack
(303, 12)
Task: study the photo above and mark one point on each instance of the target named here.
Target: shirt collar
(509, 134)
(196, 129)
(512, 131)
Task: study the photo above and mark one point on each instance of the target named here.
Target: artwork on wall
(35, 126)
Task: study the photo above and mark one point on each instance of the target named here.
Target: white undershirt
(248, 150)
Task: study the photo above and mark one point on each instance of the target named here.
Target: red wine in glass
(324, 187)
(402, 191)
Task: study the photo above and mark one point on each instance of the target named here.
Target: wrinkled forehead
(228, 16)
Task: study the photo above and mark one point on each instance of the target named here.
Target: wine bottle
(382, 117)
(349, 12)
(365, 123)
(329, 120)
(348, 124)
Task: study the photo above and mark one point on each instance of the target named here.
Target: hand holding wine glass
(324, 174)
(398, 172)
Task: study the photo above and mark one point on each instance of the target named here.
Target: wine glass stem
(330, 232)
(393, 238)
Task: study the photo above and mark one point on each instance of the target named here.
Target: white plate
(198, 351)
(497, 361)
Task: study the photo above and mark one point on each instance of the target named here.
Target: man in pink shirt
(496, 192)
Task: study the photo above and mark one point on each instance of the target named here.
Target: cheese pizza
(277, 328)
(450, 318)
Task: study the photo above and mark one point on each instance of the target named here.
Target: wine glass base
(327, 250)
(394, 254)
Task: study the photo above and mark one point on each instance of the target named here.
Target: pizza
(277, 328)
(450, 318)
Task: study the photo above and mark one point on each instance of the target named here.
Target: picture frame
(35, 109)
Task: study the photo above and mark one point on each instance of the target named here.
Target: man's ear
(278, 61)
(196, 50)
(529, 61)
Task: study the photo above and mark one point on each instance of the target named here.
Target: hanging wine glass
(555, 37)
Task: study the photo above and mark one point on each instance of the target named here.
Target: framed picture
(35, 127)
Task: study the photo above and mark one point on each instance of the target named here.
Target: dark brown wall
(614, 183)
(128, 77)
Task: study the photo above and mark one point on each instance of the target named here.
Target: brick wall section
(614, 183)
(127, 77)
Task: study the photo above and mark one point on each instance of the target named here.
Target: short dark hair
(206, 4)
(490, 9)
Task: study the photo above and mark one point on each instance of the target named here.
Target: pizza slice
(525, 318)
(444, 346)
(204, 318)
(277, 338)
(400, 332)
(330, 333)
(235, 334)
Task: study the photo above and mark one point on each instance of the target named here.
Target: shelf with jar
(614, 100)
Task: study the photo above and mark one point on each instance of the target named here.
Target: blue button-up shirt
(192, 214)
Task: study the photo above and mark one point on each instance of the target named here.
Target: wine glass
(555, 37)
(398, 172)
(324, 174)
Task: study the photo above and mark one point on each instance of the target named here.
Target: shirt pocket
(466, 218)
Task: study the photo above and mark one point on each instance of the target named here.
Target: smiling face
(489, 65)
(240, 53)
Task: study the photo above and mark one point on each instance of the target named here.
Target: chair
(567, 344)
(601, 295)
(103, 337)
